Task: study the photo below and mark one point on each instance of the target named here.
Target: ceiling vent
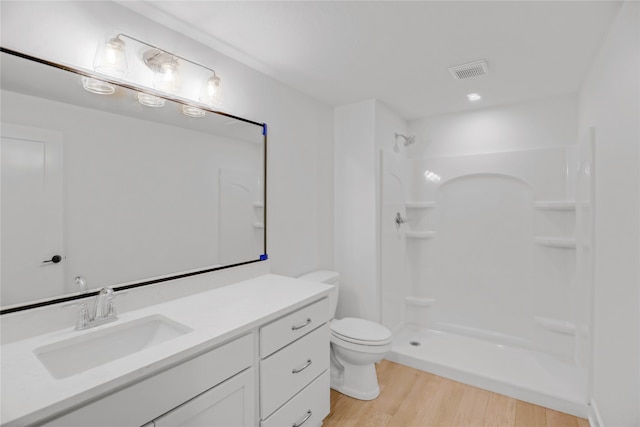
(470, 70)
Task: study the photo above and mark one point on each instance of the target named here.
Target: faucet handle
(83, 318)
(100, 311)
(111, 311)
(110, 296)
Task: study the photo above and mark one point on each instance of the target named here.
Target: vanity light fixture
(167, 67)
(211, 92)
(166, 70)
(111, 57)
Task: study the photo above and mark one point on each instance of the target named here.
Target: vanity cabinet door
(230, 404)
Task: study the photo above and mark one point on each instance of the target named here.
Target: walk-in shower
(485, 277)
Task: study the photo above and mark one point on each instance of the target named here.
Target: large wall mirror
(116, 192)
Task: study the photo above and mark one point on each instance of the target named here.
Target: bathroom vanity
(253, 353)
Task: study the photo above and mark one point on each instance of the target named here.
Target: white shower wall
(498, 243)
(491, 247)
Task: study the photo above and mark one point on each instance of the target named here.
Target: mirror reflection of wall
(122, 195)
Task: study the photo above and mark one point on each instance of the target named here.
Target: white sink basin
(78, 354)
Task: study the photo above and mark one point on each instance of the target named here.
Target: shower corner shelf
(556, 242)
(420, 205)
(258, 225)
(420, 234)
(258, 205)
(564, 205)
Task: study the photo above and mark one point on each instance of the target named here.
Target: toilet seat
(360, 331)
(337, 342)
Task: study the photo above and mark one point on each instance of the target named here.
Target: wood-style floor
(410, 397)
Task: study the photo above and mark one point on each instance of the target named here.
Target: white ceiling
(398, 52)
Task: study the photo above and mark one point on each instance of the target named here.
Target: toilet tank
(330, 278)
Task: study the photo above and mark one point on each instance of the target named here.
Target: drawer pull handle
(304, 420)
(306, 365)
(296, 327)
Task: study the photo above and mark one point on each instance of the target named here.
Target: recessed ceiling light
(474, 97)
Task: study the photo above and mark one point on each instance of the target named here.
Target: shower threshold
(523, 374)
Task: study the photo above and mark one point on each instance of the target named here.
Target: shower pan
(486, 279)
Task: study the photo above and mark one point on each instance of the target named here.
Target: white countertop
(30, 393)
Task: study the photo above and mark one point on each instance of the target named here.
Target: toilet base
(355, 393)
(357, 381)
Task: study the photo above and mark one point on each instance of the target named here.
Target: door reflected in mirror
(121, 192)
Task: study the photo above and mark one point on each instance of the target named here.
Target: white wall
(355, 209)
(609, 103)
(300, 149)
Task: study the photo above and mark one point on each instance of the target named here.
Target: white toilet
(356, 345)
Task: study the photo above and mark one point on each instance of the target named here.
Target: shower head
(408, 140)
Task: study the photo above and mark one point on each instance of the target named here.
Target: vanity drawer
(281, 332)
(313, 401)
(285, 373)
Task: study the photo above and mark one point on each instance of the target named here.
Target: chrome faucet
(103, 310)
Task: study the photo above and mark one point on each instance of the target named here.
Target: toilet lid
(360, 329)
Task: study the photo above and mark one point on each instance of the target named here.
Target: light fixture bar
(166, 67)
(167, 52)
